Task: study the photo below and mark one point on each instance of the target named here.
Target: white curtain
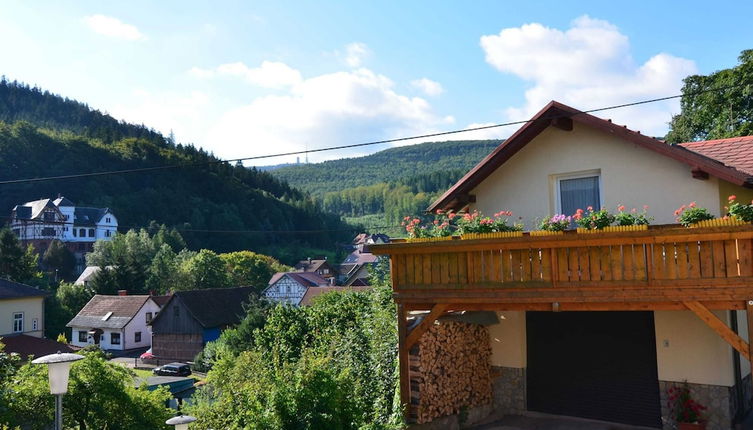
(579, 193)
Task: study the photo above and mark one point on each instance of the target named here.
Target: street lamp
(58, 370)
(181, 421)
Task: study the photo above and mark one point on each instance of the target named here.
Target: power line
(195, 230)
(355, 145)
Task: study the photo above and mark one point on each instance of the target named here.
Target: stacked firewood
(450, 370)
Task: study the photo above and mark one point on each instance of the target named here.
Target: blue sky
(251, 78)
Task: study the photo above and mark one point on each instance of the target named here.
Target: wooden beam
(564, 307)
(720, 328)
(749, 314)
(563, 123)
(403, 359)
(425, 324)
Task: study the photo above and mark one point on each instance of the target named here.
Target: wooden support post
(425, 325)
(403, 359)
(749, 314)
(720, 328)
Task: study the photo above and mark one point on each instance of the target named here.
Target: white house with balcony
(39, 222)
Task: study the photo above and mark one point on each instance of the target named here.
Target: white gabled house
(115, 322)
(290, 287)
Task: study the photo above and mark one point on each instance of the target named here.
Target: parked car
(147, 355)
(173, 369)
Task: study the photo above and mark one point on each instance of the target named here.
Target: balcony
(662, 268)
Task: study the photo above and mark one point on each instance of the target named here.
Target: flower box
(545, 233)
(614, 228)
(498, 235)
(428, 239)
(718, 222)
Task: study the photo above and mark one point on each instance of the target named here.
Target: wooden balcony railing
(661, 264)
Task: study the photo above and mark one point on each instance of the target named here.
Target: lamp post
(180, 422)
(58, 370)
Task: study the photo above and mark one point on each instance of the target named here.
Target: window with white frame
(115, 338)
(18, 322)
(577, 191)
(148, 317)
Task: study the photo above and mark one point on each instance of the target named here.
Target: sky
(251, 78)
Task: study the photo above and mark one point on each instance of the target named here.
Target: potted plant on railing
(630, 221)
(590, 220)
(692, 215)
(474, 225)
(686, 412)
(441, 228)
(741, 212)
(555, 224)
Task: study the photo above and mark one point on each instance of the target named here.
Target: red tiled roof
(735, 152)
(313, 292)
(28, 345)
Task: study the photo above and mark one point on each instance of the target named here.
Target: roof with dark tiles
(16, 290)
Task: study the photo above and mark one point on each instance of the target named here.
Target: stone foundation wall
(718, 399)
(509, 390)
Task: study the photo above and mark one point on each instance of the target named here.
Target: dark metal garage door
(599, 365)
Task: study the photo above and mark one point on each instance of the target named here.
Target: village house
(190, 319)
(354, 269)
(319, 266)
(115, 322)
(290, 287)
(40, 222)
(594, 326)
(22, 320)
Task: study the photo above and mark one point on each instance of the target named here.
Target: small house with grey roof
(39, 222)
(115, 322)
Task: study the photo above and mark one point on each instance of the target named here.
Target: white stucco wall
(688, 349)
(138, 324)
(104, 341)
(31, 307)
(285, 290)
(630, 175)
(508, 340)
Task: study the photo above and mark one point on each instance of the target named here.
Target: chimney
(122, 292)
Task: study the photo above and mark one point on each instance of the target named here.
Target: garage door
(599, 365)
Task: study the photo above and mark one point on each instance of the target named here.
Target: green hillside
(378, 190)
(386, 166)
(209, 204)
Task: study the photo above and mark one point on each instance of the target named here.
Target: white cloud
(113, 27)
(327, 110)
(355, 53)
(588, 66)
(270, 74)
(429, 87)
(183, 113)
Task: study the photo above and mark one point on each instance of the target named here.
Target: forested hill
(385, 166)
(213, 205)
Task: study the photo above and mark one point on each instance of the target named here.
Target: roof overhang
(558, 115)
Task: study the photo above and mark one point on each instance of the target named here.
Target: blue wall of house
(211, 334)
